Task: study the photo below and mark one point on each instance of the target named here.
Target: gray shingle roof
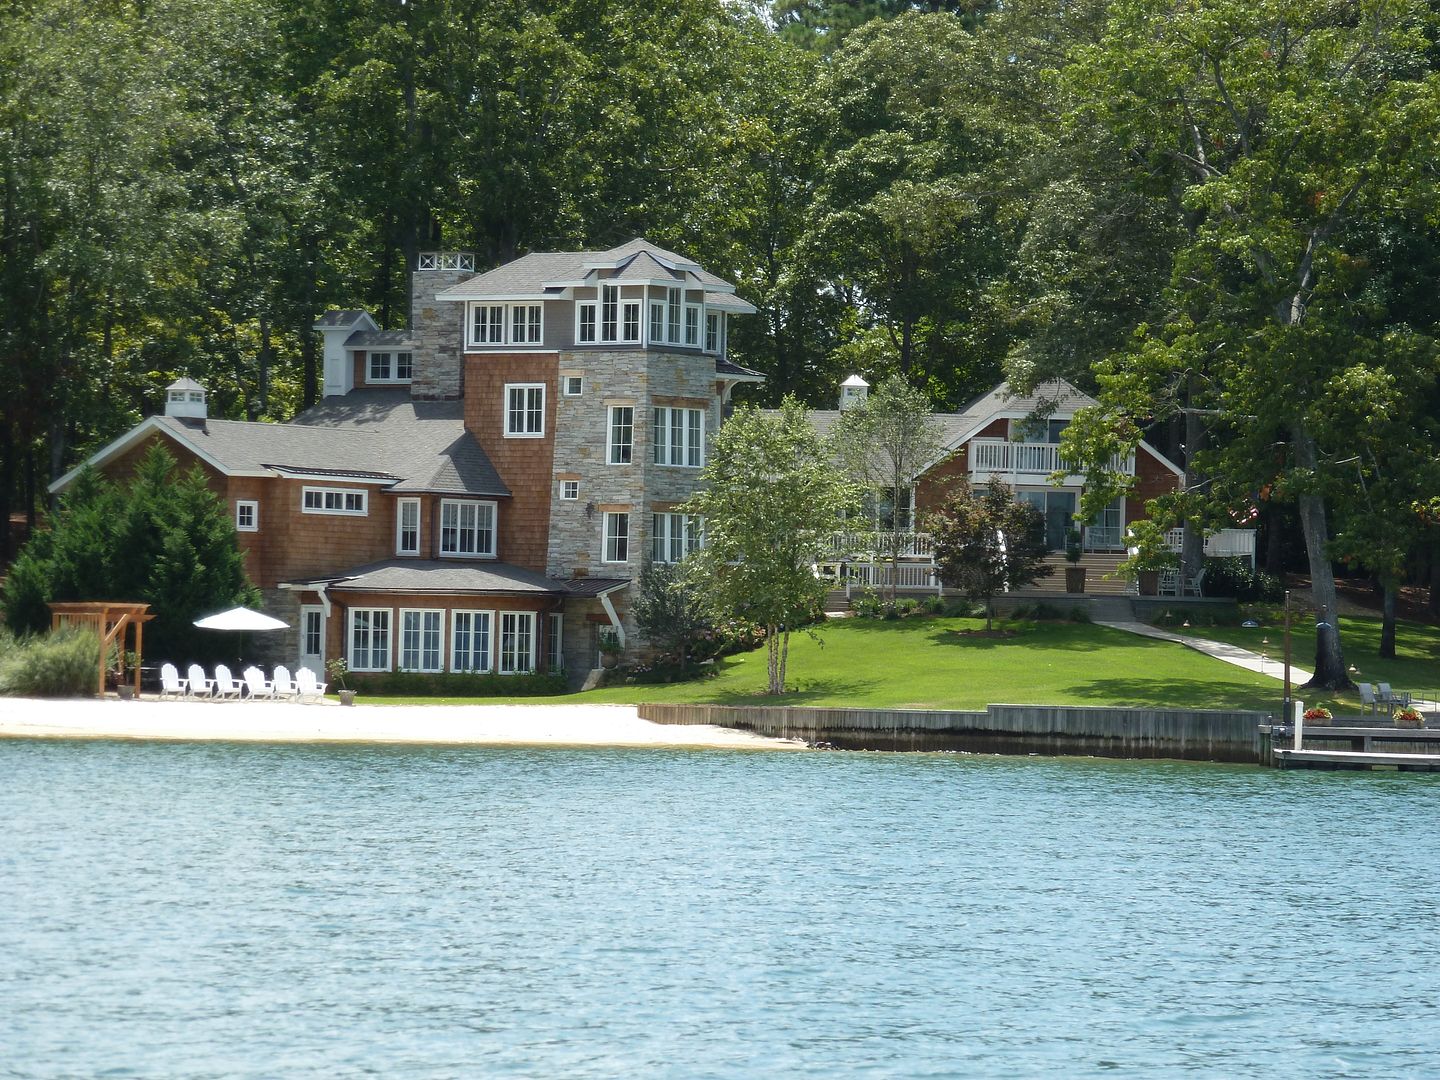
(593, 586)
(727, 367)
(441, 576)
(527, 275)
(371, 338)
(366, 434)
(336, 317)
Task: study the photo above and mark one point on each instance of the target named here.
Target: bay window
(467, 528)
(679, 437)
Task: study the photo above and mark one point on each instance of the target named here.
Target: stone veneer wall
(641, 379)
(439, 331)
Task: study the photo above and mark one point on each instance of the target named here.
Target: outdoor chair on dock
(257, 684)
(283, 685)
(1192, 586)
(1368, 704)
(309, 686)
(1393, 699)
(226, 684)
(198, 685)
(171, 682)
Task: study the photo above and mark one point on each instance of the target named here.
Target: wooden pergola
(110, 619)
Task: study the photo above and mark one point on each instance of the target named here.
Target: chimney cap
(446, 260)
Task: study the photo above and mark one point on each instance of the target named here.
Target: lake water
(243, 911)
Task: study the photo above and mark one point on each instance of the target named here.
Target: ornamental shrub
(61, 664)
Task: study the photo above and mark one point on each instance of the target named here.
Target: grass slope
(933, 664)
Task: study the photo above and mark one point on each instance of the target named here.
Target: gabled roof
(337, 318)
(448, 576)
(366, 436)
(364, 339)
(549, 273)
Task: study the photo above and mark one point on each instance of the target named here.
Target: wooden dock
(1354, 759)
(1369, 747)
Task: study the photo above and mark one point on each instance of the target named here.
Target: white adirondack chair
(198, 685)
(171, 682)
(309, 686)
(256, 683)
(283, 684)
(225, 683)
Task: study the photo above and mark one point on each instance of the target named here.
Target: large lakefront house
(478, 492)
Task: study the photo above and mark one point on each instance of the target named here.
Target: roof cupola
(185, 398)
(853, 391)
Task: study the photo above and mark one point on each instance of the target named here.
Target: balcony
(1027, 462)
(1224, 544)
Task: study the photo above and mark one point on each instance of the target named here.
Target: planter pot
(1409, 723)
(347, 697)
(126, 691)
(1149, 581)
(1075, 579)
(1323, 721)
(609, 660)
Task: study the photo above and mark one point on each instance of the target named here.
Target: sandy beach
(268, 721)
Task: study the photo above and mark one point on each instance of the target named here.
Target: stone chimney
(853, 391)
(185, 398)
(438, 326)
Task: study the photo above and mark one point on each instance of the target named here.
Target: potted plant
(1149, 554)
(610, 647)
(1410, 717)
(1074, 549)
(337, 669)
(1319, 716)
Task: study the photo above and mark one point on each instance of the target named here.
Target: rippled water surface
(218, 911)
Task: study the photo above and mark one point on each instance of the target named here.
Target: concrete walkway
(1230, 654)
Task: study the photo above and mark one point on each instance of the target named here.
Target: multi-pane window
(657, 320)
(370, 639)
(609, 312)
(312, 630)
(525, 324)
(622, 434)
(525, 410)
(672, 316)
(247, 516)
(679, 437)
(421, 634)
(713, 337)
(574, 385)
(470, 640)
(585, 323)
(488, 325)
(569, 490)
(517, 642)
(407, 527)
(630, 321)
(674, 536)
(467, 528)
(692, 325)
(390, 367)
(333, 501)
(555, 642)
(617, 538)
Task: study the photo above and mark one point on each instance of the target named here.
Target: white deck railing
(1224, 544)
(913, 545)
(1028, 459)
(910, 577)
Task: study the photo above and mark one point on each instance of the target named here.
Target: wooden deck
(1352, 759)
(1421, 751)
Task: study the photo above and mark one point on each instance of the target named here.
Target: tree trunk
(1390, 591)
(1274, 542)
(1330, 673)
(264, 364)
(1192, 548)
(772, 655)
(784, 659)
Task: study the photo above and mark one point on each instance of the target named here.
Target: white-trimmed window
(622, 434)
(630, 321)
(714, 332)
(422, 633)
(609, 313)
(574, 385)
(569, 490)
(524, 410)
(555, 642)
(370, 639)
(470, 640)
(247, 516)
(390, 367)
(487, 324)
(586, 312)
(348, 501)
(679, 437)
(467, 527)
(672, 316)
(617, 538)
(527, 324)
(673, 536)
(657, 320)
(692, 325)
(517, 642)
(407, 527)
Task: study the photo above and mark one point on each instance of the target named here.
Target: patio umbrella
(240, 620)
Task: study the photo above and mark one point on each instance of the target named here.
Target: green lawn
(1416, 666)
(930, 664)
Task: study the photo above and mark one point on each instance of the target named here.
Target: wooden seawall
(1188, 734)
